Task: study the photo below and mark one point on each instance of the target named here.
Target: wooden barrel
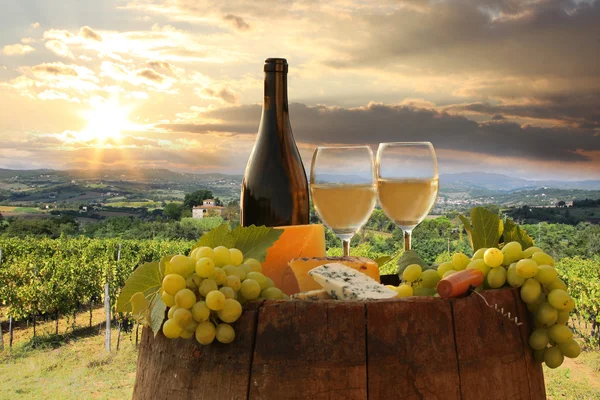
(413, 348)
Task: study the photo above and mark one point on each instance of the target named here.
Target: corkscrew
(465, 282)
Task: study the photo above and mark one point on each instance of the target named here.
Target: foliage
(43, 276)
(196, 198)
(173, 211)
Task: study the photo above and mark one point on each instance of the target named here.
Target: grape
(225, 333)
(570, 305)
(559, 299)
(270, 282)
(570, 348)
(205, 332)
(496, 277)
(240, 298)
(173, 283)
(480, 265)
(258, 277)
(193, 253)
(429, 278)
(539, 339)
(230, 269)
(197, 280)
(404, 290)
(190, 283)
(513, 252)
(423, 291)
(557, 284)
(530, 251)
(546, 274)
(246, 268)
(493, 257)
(231, 311)
(172, 311)
(205, 267)
(186, 334)
(200, 311)
(535, 306)
(448, 273)
(553, 357)
(185, 298)
(171, 329)
(250, 289)
(443, 267)
(530, 290)
(460, 261)
(191, 326)
(236, 256)
(240, 273)
(542, 258)
(168, 299)
(563, 317)
(479, 254)
(539, 355)
(180, 264)
(560, 333)
(182, 316)
(527, 268)
(271, 293)
(207, 286)
(546, 314)
(254, 263)
(222, 256)
(215, 300)
(233, 281)
(513, 279)
(228, 292)
(205, 252)
(219, 276)
(412, 273)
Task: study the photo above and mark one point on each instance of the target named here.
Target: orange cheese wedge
(297, 273)
(295, 241)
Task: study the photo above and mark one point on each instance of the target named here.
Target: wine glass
(343, 189)
(407, 183)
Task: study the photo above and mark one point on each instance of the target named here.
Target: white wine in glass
(407, 183)
(343, 189)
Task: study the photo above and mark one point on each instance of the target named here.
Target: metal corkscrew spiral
(498, 309)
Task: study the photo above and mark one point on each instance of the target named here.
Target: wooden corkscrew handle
(459, 283)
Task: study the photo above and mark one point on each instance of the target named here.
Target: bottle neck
(275, 106)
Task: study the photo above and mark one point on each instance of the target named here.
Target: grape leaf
(487, 228)
(514, 233)
(382, 260)
(219, 236)
(468, 228)
(254, 241)
(157, 315)
(146, 279)
(410, 257)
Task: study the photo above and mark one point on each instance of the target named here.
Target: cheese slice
(295, 241)
(319, 294)
(299, 267)
(345, 283)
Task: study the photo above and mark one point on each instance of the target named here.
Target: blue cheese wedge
(345, 283)
(319, 294)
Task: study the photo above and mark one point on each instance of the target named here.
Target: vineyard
(51, 277)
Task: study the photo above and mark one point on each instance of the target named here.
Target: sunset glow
(106, 121)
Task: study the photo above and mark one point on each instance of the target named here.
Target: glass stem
(407, 237)
(345, 247)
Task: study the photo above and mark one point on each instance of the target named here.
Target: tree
(232, 211)
(218, 202)
(195, 198)
(173, 211)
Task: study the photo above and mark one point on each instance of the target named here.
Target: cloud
(17, 49)
(35, 25)
(89, 33)
(237, 22)
(54, 69)
(150, 75)
(222, 94)
(59, 48)
(376, 123)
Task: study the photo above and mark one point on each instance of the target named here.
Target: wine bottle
(275, 189)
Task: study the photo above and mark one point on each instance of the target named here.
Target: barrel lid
(276, 65)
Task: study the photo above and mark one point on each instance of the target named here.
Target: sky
(503, 86)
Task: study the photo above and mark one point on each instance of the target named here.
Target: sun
(106, 121)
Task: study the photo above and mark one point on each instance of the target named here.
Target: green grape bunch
(206, 290)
